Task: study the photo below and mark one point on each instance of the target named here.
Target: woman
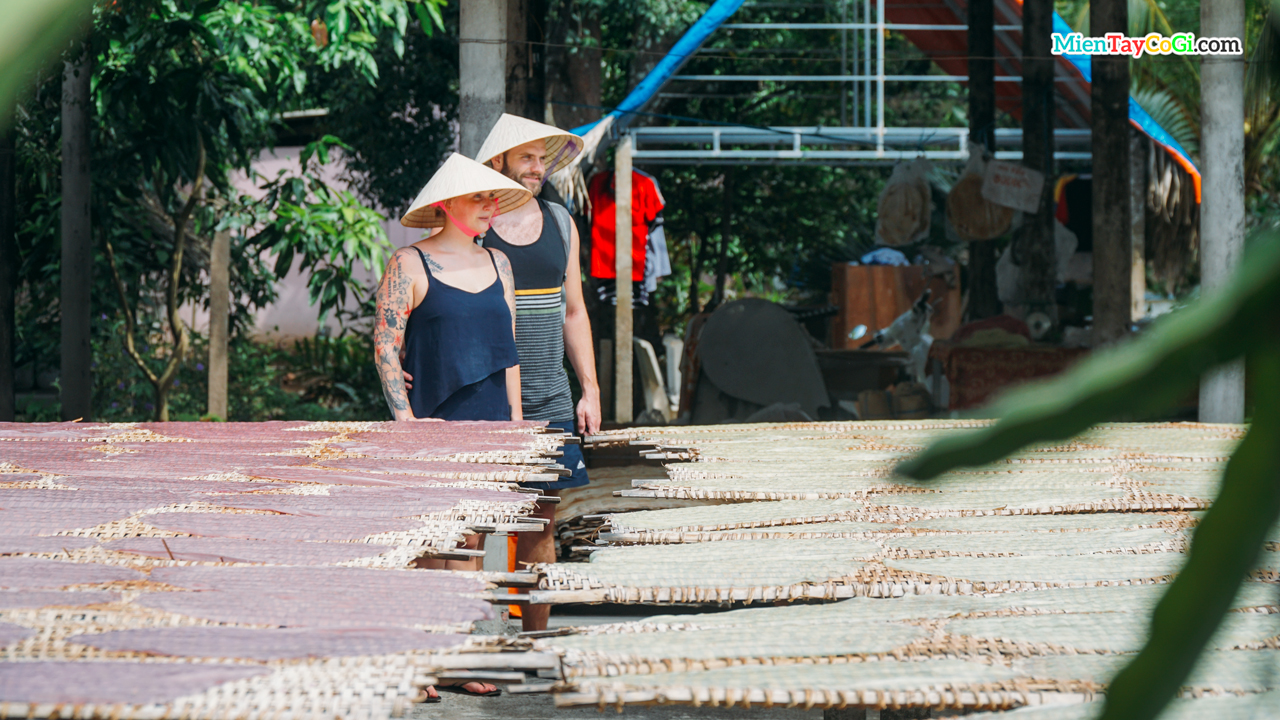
(447, 306)
(446, 315)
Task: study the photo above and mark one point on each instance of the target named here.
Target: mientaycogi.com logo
(1153, 44)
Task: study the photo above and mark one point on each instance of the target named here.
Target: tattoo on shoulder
(431, 262)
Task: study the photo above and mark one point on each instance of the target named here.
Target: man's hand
(589, 414)
(408, 380)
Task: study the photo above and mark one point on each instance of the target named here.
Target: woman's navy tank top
(458, 346)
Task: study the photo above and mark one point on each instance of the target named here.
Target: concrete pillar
(1035, 248)
(983, 300)
(1112, 228)
(622, 264)
(74, 377)
(482, 70)
(8, 273)
(1222, 196)
(1138, 148)
(219, 312)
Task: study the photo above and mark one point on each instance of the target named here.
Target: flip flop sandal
(458, 689)
(425, 697)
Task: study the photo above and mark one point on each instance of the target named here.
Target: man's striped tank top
(539, 270)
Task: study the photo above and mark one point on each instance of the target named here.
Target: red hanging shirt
(645, 206)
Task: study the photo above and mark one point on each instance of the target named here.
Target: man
(541, 241)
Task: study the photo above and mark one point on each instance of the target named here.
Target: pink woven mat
(30, 521)
(421, 467)
(276, 527)
(112, 683)
(10, 633)
(270, 552)
(269, 431)
(273, 644)
(328, 477)
(320, 597)
(22, 599)
(368, 502)
(32, 573)
(15, 544)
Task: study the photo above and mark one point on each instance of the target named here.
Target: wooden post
(984, 302)
(623, 353)
(8, 273)
(74, 377)
(1137, 225)
(219, 310)
(1112, 229)
(605, 363)
(1036, 245)
(1222, 195)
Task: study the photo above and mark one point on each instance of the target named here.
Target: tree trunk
(1112, 226)
(74, 378)
(984, 302)
(8, 274)
(573, 74)
(1035, 238)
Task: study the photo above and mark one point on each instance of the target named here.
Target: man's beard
(532, 183)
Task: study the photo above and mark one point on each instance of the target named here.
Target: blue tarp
(1137, 115)
(719, 11)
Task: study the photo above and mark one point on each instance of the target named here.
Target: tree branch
(129, 348)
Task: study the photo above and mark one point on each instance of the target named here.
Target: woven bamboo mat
(1021, 583)
(227, 533)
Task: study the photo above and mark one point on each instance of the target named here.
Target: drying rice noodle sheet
(28, 599)
(1247, 671)
(321, 597)
(234, 550)
(1056, 570)
(803, 531)
(729, 564)
(1002, 501)
(327, 477)
(886, 675)
(1109, 632)
(429, 468)
(112, 683)
(28, 521)
(269, 644)
(371, 502)
(730, 643)
(23, 573)
(66, 431)
(10, 634)
(98, 498)
(190, 488)
(1218, 707)
(277, 527)
(1030, 479)
(283, 431)
(1039, 544)
(27, 544)
(1048, 523)
(752, 514)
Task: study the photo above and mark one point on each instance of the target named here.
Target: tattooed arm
(509, 291)
(395, 302)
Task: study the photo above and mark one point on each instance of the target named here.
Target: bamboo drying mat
(149, 471)
(1015, 570)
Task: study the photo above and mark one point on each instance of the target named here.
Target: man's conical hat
(513, 131)
(458, 176)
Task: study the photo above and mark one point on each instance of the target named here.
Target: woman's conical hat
(513, 131)
(458, 176)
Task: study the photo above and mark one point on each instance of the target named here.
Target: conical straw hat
(458, 176)
(513, 131)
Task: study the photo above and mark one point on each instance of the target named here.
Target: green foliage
(1150, 373)
(31, 31)
(399, 129)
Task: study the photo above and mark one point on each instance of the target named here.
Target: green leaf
(424, 18)
(361, 36)
(31, 32)
(1143, 376)
(1223, 550)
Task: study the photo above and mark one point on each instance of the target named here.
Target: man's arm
(509, 292)
(577, 341)
(395, 302)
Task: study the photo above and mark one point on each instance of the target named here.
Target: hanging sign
(1012, 185)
